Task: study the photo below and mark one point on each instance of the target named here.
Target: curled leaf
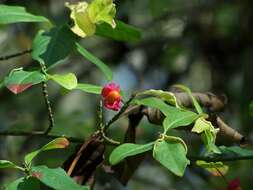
(168, 97)
(86, 16)
(102, 11)
(208, 133)
(215, 168)
(83, 26)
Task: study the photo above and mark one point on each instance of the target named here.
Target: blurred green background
(204, 44)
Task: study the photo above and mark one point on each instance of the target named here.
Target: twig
(220, 159)
(3, 58)
(223, 177)
(49, 108)
(122, 110)
(109, 140)
(80, 140)
(39, 134)
(100, 116)
(101, 130)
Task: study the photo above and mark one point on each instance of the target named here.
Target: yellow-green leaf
(68, 81)
(94, 89)
(86, 16)
(102, 11)
(201, 125)
(83, 26)
(208, 133)
(215, 168)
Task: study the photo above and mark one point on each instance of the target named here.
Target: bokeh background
(203, 44)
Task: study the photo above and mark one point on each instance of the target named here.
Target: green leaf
(93, 59)
(209, 137)
(201, 125)
(215, 168)
(128, 149)
(195, 102)
(14, 14)
(19, 80)
(102, 11)
(68, 81)
(51, 47)
(89, 88)
(171, 153)
(57, 143)
(29, 183)
(205, 164)
(251, 109)
(155, 103)
(122, 32)
(175, 117)
(168, 97)
(236, 151)
(178, 118)
(56, 178)
(7, 164)
(208, 133)
(14, 185)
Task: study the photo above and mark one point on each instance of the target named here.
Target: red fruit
(111, 96)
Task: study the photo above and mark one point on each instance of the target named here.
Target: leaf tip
(63, 143)
(18, 88)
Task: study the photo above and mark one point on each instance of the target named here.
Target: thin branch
(109, 140)
(49, 108)
(117, 116)
(220, 159)
(39, 134)
(223, 177)
(3, 58)
(80, 140)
